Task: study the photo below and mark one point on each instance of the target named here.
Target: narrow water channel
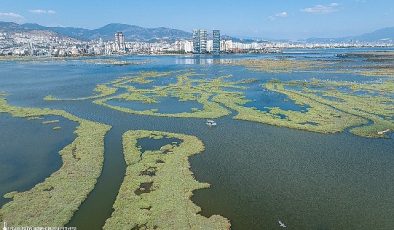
(98, 206)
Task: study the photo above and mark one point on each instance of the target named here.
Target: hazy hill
(137, 33)
(385, 34)
(132, 32)
(378, 35)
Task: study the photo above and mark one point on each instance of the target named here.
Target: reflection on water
(201, 60)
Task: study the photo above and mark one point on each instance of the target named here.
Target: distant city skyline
(247, 19)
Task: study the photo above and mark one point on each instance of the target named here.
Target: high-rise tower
(199, 41)
(120, 42)
(216, 42)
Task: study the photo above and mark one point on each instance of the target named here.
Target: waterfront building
(227, 46)
(216, 42)
(120, 42)
(199, 41)
(38, 43)
(209, 46)
(186, 46)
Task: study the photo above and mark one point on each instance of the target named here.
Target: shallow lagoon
(29, 150)
(151, 144)
(263, 99)
(258, 173)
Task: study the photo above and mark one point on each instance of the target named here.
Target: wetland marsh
(299, 138)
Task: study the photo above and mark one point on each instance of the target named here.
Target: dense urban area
(46, 43)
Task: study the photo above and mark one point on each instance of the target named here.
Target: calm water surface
(259, 174)
(29, 151)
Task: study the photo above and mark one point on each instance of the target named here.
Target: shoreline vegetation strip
(375, 65)
(54, 201)
(158, 185)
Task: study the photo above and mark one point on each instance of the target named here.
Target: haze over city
(248, 19)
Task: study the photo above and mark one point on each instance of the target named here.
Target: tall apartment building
(120, 42)
(216, 42)
(199, 41)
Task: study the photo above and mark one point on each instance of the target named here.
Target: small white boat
(281, 224)
(211, 123)
(384, 132)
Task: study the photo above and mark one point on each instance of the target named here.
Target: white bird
(282, 224)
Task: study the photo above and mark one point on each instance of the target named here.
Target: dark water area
(151, 144)
(263, 100)
(259, 174)
(307, 180)
(29, 151)
(98, 206)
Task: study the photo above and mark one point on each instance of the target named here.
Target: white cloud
(322, 9)
(283, 14)
(40, 11)
(9, 16)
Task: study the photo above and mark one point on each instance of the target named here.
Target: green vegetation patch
(379, 70)
(366, 110)
(186, 88)
(380, 64)
(101, 90)
(157, 187)
(278, 66)
(318, 118)
(54, 201)
(374, 63)
(365, 115)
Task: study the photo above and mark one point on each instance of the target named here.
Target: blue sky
(288, 19)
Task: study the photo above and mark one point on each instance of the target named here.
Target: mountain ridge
(131, 32)
(384, 34)
(138, 33)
